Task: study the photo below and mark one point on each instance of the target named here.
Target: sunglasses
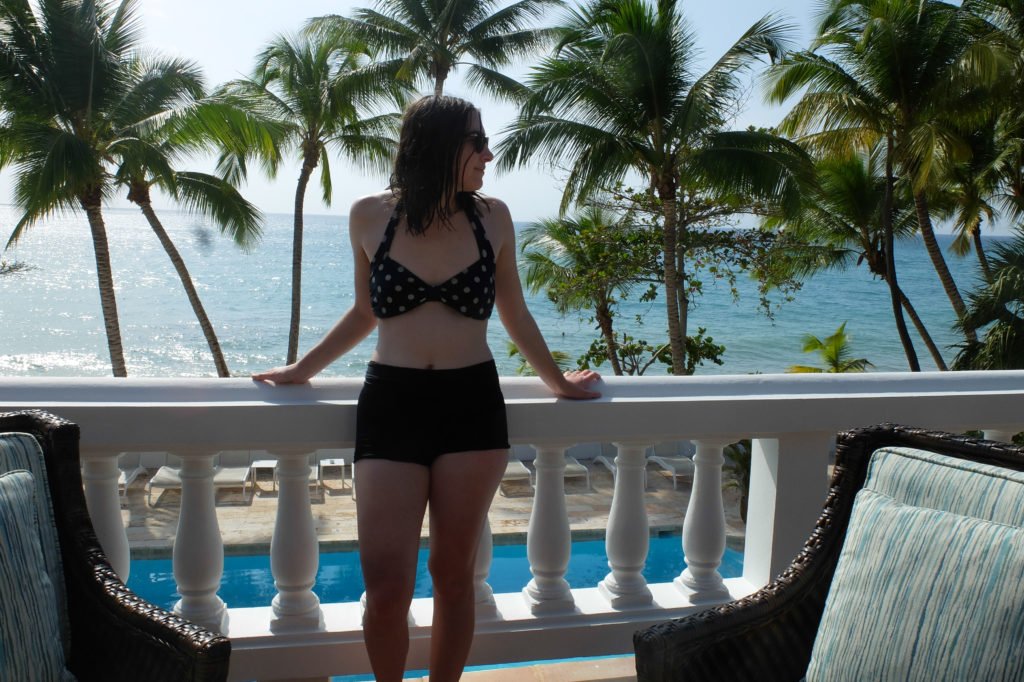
(479, 142)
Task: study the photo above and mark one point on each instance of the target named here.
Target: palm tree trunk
(676, 332)
(309, 162)
(890, 264)
(141, 198)
(91, 202)
(440, 73)
(604, 321)
(924, 222)
(979, 249)
(923, 332)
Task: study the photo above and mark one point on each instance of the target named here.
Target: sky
(223, 37)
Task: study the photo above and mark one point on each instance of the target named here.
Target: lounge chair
(130, 465)
(608, 462)
(228, 472)
(96, 628)
(573, 469)
(264, 460)
(671, 460)
(516, 472)
(911, 572)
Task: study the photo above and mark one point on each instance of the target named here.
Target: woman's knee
(388, 581)
(450, 575)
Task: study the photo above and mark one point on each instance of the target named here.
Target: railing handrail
(181, 414)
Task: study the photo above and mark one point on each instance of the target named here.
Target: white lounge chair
(516, 472)
(229, 472)
(263, 460)
(130, 467)
(573, 469)
(608, 462)
(676, 466)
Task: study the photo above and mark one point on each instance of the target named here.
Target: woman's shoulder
(493, 212)
(371, 211)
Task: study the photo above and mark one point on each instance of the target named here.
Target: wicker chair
(770, 634)
(114, 634)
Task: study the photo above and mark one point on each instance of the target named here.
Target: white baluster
(704, 527)
(294, 549)
(99, 475)
(1001, 435)
(486, 609)
(788, 484)
(198, 556)
(548, 541)
(628, 535)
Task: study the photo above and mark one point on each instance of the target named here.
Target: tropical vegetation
(621, 93)
(315, 94)
(589, 262)
(835, 353)
(904, 115)
(432, 38)
(83, 113)
(903, 79)
(998, 306)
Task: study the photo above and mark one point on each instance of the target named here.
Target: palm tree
(899, 76)
(998, 302)
(1005, 19)
(621, 94)
(843, 214)
(314, 92)
(151, 163)
(11, 268)
(588, 262)
(835, 353)
(71, 93)
(432, 38)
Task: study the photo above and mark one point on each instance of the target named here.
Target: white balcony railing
(792, 420)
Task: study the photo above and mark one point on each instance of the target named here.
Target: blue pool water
(247, 580)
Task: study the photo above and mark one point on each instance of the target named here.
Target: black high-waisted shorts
(417, 415)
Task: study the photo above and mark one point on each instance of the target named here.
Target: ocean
(51, 324)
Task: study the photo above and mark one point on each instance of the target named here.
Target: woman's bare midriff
(432, 336)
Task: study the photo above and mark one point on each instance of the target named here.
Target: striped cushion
(930, 581)
(22, 451)
(30, 641)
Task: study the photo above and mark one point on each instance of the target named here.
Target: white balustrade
(99, 477)
(628, 535)
(486, 609)
(294, 548)
(704, 527)
(198, 555)
(548, 541)
(791, 419)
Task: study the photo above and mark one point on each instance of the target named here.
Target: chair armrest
(769, 635)
(115, 634)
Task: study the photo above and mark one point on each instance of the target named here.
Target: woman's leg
(390, 502)
(462, 486)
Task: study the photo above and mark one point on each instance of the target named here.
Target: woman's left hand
(575, 386)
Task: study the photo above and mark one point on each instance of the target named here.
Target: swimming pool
(247, 580)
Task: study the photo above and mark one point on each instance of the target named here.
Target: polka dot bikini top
(394, 289)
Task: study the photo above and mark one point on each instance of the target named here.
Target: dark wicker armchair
(770, 634)
(114, 634)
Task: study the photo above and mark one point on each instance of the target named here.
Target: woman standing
(432, 259)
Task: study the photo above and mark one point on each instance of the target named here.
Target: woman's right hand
(289, 374)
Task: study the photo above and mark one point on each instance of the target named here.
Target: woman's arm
(354, 326)
(518, 321)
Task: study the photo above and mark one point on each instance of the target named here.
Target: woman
(432, 258)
